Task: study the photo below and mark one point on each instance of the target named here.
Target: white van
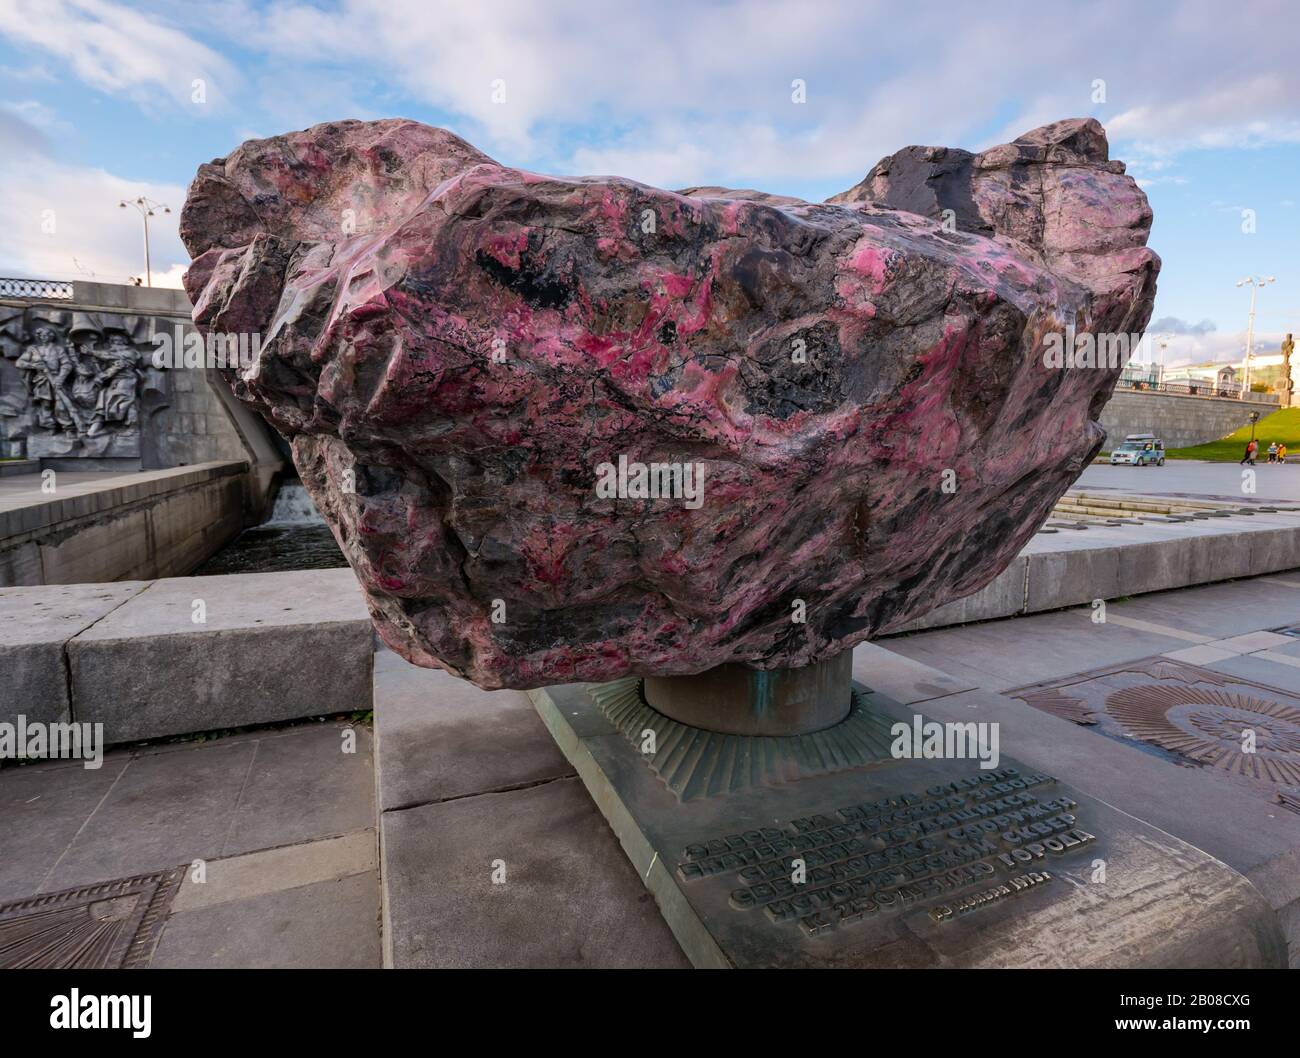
(1139, 450)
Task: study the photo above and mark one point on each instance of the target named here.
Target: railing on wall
(46, 289)
(1186, 388)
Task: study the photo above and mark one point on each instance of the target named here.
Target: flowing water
(293, 507)
(293, 537)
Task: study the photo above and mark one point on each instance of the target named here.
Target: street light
(146, 208)
(1163, 343)
(1254, 282)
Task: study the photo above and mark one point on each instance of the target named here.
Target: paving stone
(164, 810)
(438, 737)
(1203, 654)
(904, 680)
(326, 925)
(1259, 668)
(1010, 653)
(183, 743)
(1156, 629)
(1218, 610)
(570, 899)
(1291, 649)
(271, 870)
(1252, 641)
(41, 811)
(302, 786)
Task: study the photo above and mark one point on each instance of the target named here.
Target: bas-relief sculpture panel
(76, 384)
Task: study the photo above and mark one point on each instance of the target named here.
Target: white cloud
(115, 49)
(62, 221)
(680, 93)
(1215, 347)
(34, 113)
(34, 73)
(18, 136)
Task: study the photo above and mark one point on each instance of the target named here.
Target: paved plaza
(286, 823)
(1185, 477)
(273, 831)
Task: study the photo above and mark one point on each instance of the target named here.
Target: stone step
(1137, 501)
(151, 659)
(1071, 568)
(13, 467)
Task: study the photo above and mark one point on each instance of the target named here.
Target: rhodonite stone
(471, 362)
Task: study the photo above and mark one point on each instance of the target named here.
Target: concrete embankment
(1179, 419)
(93, 527)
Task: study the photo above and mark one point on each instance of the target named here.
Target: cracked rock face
(576, 429)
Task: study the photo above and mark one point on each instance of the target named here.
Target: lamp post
(146, 208)
(1162, 343)
(1254, 282)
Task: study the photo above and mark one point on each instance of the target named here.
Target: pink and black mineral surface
(453, 348)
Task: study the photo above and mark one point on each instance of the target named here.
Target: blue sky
(1202, 100)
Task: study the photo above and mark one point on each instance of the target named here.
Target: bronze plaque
(951, 849)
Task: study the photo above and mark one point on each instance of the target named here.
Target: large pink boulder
(855, 397)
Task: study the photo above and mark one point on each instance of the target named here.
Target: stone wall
(156, 523)
(1180, 420)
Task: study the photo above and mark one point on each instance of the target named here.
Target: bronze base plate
(905, 863)
(113, 925)
(1246, 733)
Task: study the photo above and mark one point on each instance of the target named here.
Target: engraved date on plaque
(911, 849)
